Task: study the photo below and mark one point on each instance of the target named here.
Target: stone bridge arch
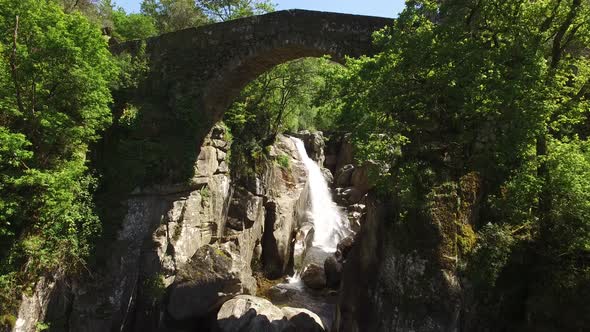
(195, 74)
(213, 63)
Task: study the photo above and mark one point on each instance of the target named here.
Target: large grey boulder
(246, 313)
(203, 284)
(314, 276)
(303, 319)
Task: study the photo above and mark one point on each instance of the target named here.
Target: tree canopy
(500, 88)
(55, 74)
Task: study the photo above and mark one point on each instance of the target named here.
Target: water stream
(327, 217)
(330, 225)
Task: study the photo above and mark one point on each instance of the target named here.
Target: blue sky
(385, 8)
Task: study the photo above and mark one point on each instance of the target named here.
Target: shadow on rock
(251, 314)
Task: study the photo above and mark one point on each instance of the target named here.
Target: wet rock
(328, 176)
(314, 276)
(203, 284)
(303, 241)
(352, 195)
(315, 255)
(333, 270)
(361, 208)
(344, 246)
(339, 197)
(314, 143)
(354, 221)
(281, 295)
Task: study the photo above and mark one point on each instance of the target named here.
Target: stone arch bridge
(195, 74)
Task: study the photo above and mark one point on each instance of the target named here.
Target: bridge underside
(195, 74)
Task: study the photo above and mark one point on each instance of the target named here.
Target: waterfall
(328, 219)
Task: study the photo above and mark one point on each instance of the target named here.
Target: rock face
(207, 280)
(303, 320)
(50, 297)
(253, 314)
(333, 270)
(163, 228)
(283, 212)
(404, 277)
(344, 247)
(314, 276)
(183, 249)
(249, 313)
(343, 175)
(314, 143)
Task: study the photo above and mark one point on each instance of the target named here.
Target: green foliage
(54, 98)
(8, 320)
(496, 87)
(205, 193)
(290, 97)
(225, 10)
(132, 69)
(173, 15)
(283, 98)
(40, 326)
(132, 26)
(466, 239)
(569, 185)
(154, 287)
(284, 161)
(490, 256)
(94, 10)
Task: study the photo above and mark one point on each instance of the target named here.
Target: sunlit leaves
(225, 10)
(54, 101)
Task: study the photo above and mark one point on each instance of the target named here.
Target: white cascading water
(327, 218)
